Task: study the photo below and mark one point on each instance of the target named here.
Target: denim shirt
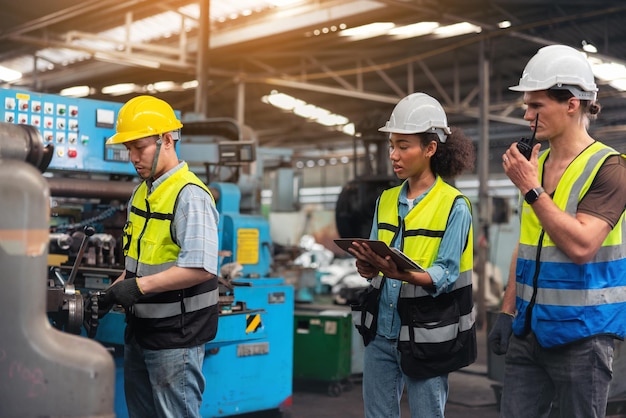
(443, 272)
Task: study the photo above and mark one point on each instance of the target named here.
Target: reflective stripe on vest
(570, 301)
(166, 310)
(443, 334)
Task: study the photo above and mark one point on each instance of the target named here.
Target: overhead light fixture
(619, 84)
(309, 111)
(410, 31)
(587, 47)
(414, 30)
(77, 91)
(283, 101)
(609, 71)
(190, 84)
(368, 31)
(612, 72)
(349, 129)
(332, 119)
(456, 29)
(8, 75)
(504, 24)
(120, 89)
(162, 86)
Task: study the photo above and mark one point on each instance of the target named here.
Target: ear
(431, 149)
(168, 140)
(573, 104)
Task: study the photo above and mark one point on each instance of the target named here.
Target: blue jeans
(575, 376)
(384, 381)
(163, 383)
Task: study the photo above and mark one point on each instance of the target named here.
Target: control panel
(77, 127)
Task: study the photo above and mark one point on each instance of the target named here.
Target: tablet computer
(382, 249)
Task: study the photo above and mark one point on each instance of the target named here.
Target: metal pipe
(202, 59)
(483, 176)
(103, 189)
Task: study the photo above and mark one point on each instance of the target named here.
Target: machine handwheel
(91, 320)
(335, 389)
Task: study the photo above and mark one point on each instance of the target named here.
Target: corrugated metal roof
(148, 29)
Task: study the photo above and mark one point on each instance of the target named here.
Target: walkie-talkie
(525, 145)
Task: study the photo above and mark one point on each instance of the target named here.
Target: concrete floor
(471, 394)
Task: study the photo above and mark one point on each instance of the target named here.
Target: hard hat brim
(123, 137)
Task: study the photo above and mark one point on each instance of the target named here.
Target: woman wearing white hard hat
(418, 326)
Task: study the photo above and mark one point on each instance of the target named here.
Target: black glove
(125, 293)
(501, 333)
(103, 307)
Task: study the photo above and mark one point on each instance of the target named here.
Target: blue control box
(77, 127)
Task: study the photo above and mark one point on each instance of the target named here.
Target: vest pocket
(365, 312)
(431, 327)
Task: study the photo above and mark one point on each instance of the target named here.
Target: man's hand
(103, 307)
(501, 333)
(125, 292)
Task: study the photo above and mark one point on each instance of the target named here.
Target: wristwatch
(533, 194)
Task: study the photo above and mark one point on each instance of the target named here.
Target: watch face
(533, 195)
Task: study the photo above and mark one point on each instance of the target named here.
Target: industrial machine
(355, 206)
(248, 366)
(45, 372)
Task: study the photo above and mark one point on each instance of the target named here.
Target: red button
(71, 153)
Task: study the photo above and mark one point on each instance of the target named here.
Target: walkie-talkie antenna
(525, 145)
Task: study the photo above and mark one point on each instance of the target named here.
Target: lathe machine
(63, 206)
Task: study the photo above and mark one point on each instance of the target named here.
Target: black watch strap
(533, 194)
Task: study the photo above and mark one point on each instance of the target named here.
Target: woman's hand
(369, 264)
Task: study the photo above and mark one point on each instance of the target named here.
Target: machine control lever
(89, 231)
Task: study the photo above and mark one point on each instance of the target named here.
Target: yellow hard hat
(144, 116)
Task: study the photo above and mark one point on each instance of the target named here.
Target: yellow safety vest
(438, 334)
(173, 319)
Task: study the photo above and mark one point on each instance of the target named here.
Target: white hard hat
(418, 113)
(559, 67)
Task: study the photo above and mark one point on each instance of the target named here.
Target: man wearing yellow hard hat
(169, 288)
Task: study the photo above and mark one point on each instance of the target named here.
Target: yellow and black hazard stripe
(253, 323)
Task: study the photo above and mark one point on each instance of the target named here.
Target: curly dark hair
(454, 156)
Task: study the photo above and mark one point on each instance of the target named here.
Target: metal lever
(89, 231)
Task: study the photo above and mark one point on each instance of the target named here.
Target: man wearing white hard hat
(566, 295)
